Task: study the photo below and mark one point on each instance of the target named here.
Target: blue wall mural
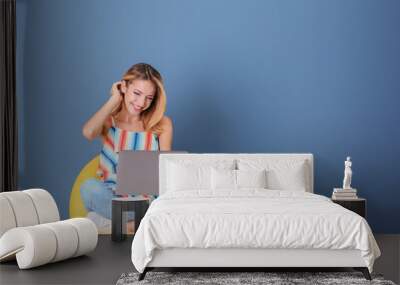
(241, 76)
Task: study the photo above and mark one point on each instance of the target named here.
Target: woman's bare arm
(165, 138)
(94, 126)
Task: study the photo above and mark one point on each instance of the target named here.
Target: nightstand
(120, 209)
(358, 205)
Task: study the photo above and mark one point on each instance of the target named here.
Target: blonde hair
(152, 116)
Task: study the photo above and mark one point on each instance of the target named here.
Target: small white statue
(347, 174)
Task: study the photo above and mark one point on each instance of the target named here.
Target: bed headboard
(164, 158)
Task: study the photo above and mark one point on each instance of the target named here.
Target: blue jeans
(96, 196)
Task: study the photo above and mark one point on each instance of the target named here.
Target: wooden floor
(110, 260)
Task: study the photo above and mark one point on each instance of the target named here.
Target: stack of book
(344, 194)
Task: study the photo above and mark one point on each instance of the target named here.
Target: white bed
(222, 226)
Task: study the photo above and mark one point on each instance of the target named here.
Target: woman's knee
(96, 196)
(89, 189)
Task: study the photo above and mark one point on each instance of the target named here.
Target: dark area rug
(225, 278)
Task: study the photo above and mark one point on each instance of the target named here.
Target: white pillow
(186, 174)
(251, 178)
(181, 177)
(236, 179)
(288, 179)
(223, 179)
(281, 174)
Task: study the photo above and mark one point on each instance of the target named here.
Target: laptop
(137, 172)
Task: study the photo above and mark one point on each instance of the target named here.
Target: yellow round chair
(76, 207)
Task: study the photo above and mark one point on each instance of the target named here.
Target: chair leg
(143, 274)
(364, 271)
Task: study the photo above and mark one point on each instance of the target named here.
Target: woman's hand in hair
(116, 91)
(117, 95)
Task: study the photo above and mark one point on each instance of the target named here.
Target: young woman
(131, 119)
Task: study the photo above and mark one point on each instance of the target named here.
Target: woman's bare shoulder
(166, 121)
(166, 124)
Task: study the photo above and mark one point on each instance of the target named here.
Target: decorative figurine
(347, 174)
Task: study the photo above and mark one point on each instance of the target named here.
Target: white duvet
(250, 218)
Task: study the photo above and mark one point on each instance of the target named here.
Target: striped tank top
(118, 140)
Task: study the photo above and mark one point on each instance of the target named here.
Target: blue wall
(241, 76)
